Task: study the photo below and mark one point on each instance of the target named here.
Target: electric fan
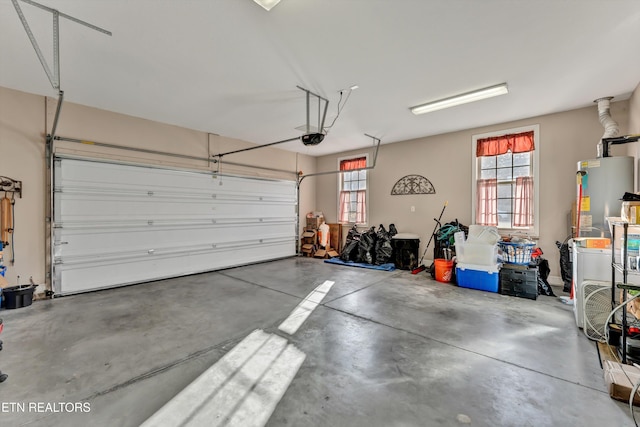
(596, 308)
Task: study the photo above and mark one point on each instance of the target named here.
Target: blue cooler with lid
(480, 277)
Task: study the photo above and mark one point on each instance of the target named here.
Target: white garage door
(117, 224)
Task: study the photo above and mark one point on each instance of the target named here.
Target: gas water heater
(604, 182)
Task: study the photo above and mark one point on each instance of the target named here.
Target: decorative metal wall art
(412, 184)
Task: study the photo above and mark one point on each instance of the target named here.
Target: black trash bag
(392, 230)
(544, 288)
(384, 250)
(630, 197)
(566, 265)
(350, 250)
(366, 246)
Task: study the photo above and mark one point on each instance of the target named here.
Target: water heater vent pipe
(610, 126)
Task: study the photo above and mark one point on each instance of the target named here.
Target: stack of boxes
(310, 245)
(309, 242)
(314, 220)
(477, 257)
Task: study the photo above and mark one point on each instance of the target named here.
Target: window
(505, 168)
(352, 207)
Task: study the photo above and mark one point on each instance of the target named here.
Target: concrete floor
(383, 349)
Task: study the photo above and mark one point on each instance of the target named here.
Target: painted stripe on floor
(242, 388)
(305, 308)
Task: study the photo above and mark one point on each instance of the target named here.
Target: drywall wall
(22, 157)
(634, 129)
(25, 120)
(565, 138)
(634, 111)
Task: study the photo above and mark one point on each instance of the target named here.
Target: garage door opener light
(267, 4)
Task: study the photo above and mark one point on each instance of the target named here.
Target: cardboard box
(619, 229)
(314, 223)
(309, 237)
(630, 212)
(593, 242)
(307, 249)
(325, 253)
(320, 253)
(620, 380)
(335, 236)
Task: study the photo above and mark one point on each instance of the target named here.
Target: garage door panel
(99, 176)
(118, 224)
(106, 209)
(82, 277)
(98, 241)
(117, 259)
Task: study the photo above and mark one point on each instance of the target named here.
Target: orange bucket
(444, 270)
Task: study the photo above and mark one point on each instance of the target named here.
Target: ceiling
(231, 68)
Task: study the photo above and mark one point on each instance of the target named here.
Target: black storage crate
(519, 281)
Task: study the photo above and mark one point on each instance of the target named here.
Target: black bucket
(17, 296)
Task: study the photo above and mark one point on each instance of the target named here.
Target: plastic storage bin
(18, 296)
(480, 277)
(483, 234)
(477, 253)
(519, 281)
(516, 253)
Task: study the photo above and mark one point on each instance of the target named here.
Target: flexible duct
(610, 125)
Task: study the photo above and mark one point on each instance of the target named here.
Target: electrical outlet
(413, 208)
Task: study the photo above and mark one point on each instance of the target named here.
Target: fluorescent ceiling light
(267, 4)
(464, 98)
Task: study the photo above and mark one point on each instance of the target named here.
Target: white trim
(536, 173)
(354, 156)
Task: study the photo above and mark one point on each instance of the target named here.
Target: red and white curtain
(523, 202)
(514, 142)
(360, 195)
(345, 206)
(487, 202)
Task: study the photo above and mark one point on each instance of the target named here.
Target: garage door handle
(151, 251)
(61, 243)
